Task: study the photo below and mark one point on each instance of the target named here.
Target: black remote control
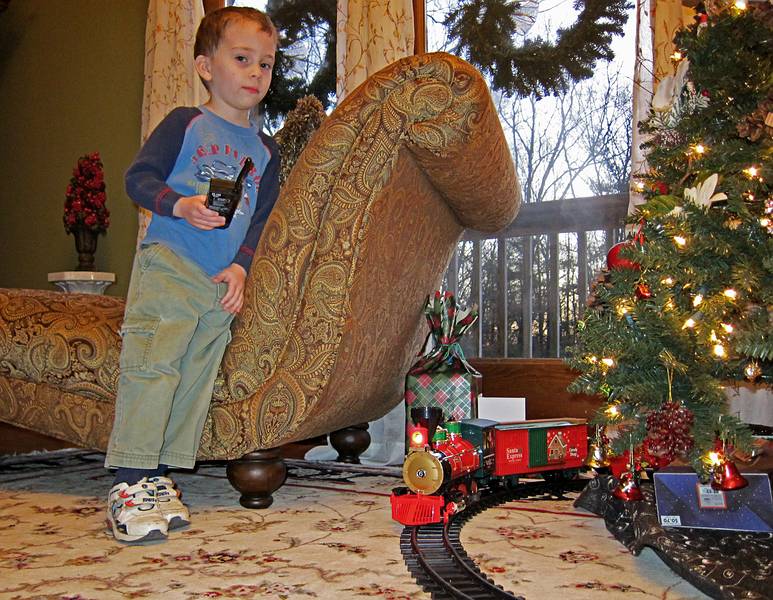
(224, 195)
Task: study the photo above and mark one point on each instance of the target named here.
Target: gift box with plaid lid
(442, 377)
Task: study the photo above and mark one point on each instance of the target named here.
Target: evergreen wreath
(483, 31)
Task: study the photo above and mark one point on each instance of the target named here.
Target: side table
(82, 282)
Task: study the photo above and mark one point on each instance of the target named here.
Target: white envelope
(501, 409)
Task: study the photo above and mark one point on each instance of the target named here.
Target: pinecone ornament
(601, 280)
(759, 123)
(300, 124)
(669, 138)
(669, 431)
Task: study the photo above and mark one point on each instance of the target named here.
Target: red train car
(537, 446)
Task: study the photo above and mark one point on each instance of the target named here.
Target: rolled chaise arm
(367, 220)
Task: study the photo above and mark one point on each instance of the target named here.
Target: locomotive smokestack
(427, 416)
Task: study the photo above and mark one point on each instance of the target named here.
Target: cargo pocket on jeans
(137, 343)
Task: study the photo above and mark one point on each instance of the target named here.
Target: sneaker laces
(137, 495)
(165, 487)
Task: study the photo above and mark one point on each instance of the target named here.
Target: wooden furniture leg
(350, 442)
(256, 476)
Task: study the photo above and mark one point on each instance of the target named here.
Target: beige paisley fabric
(59, 363)
(361, 233)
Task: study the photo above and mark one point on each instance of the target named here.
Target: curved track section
(435, 556)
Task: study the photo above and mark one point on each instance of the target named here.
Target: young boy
(189, 272)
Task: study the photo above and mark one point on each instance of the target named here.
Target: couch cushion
(68, 341)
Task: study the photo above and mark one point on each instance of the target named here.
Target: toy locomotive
(446, 467)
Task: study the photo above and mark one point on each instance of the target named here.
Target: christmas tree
(686, 306)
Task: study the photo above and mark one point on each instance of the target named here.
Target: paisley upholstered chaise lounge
(361, 233)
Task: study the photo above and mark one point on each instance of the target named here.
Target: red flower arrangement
(84, 204)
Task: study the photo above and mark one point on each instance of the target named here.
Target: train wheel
(511, 482)
(564, 475)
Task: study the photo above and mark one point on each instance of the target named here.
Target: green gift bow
(446, 327)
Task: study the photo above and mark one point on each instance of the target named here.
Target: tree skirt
(724, 564)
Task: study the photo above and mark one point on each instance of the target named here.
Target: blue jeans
(174, 335)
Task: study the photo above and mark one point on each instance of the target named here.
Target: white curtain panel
(657, 22)
(170, 74)
(371, 34)
(642, 95)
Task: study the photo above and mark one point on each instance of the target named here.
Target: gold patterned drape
(370, 36)
(668, 16)
(170, 75)
(657, 21)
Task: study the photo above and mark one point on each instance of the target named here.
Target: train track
(435, 556)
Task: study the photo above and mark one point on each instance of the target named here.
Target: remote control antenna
(248, 164)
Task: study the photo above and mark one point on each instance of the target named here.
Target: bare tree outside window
(531, 288)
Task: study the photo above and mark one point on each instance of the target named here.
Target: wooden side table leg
(256, 476)
(350, 442)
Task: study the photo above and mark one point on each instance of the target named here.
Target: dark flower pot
(86, 245)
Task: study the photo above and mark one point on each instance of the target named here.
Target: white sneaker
(169, 503)
(133, 513)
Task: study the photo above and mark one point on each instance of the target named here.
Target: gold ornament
(597, 453)
(752, 370)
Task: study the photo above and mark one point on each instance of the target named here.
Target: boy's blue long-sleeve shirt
(188, 148)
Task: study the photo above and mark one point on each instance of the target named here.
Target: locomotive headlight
(418, 439)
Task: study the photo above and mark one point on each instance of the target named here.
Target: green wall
(70, 83)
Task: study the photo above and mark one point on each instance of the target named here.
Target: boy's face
(238, 73)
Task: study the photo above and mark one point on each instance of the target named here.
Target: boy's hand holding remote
(192, 209)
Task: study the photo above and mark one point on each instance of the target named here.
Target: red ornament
(618, 464)
(628, 489)
(615, 261)
(669, 432)
(727, 477)
(642, 291)
(661, 187)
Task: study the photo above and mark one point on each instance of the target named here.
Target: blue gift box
(683, 501)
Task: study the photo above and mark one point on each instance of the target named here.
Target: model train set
(448, 467)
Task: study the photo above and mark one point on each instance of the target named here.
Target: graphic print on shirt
(221, 169)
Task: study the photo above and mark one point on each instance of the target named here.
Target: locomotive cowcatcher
(447, 467)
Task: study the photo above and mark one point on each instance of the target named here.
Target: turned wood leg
(350, 442)
(256, 476)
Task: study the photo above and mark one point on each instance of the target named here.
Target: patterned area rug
(328, 535)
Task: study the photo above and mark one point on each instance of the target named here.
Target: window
(572, 155)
